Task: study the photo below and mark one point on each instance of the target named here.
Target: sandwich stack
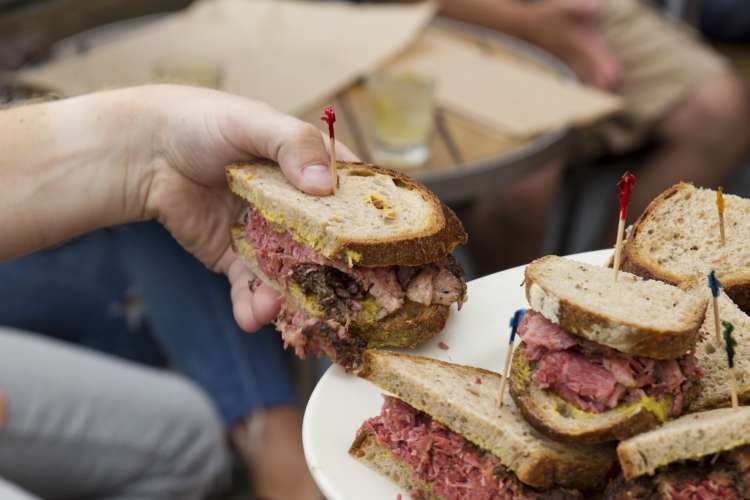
(368, 267)
(600, 361)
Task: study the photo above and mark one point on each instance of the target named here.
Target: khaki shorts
(661, 60)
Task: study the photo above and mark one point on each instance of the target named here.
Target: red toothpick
(329, 116)
(625, 185)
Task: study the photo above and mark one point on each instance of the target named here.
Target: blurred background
(520, 115)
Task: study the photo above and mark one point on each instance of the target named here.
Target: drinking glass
(402, 112)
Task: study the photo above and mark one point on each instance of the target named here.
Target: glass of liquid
(402, 110)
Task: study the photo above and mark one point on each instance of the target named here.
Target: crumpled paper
(516, 98)
(288, 53)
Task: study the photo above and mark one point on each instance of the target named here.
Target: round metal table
(468, 157)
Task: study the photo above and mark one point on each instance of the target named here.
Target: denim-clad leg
(76, 292)
(190, 316)
(88, 291)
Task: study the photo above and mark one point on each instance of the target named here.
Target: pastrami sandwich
(370, 266)
(441, 436)
(604, 360)
(696, 457)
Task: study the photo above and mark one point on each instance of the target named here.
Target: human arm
(567, 28)
(127, 155)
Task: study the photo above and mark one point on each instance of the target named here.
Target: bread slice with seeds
(712, 358)
(677, 239)
(378, 216)
(450, 394)
(633, 315)
(689, 437)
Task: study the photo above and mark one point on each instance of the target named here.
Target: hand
(568, 29)
(200, 132)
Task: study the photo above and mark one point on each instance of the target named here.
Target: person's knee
(713, 116)
(198, 449)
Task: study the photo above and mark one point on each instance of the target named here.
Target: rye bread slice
(378, 217)
(449, 393)
(563, 421)
(633, 315)
(712, 359)
(677, 240)
(408, 327)
(689, 437)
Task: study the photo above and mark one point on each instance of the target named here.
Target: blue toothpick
(714, 284)
(515, 321)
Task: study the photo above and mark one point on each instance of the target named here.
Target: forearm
(67, 168)
(509, 16)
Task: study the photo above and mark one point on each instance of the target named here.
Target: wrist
(129, 134)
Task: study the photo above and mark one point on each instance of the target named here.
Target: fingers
(261, 131)
(583, 10)
(252, 310)
(602, 70)
(297, 146)
(304, 159)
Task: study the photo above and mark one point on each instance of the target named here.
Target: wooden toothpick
(625, 185)
(720, 210)
(514, 322)
(329, 116)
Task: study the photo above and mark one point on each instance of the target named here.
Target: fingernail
(316, 179)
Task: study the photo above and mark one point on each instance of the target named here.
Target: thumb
(297, 146)
(304, 158)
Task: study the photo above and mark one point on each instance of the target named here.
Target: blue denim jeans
(134, 292)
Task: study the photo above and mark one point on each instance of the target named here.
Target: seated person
(79, 424)
(678, 94)
(133, 292)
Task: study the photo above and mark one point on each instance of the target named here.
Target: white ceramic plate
(340, 403)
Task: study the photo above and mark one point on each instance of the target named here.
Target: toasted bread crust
(530, 400)
(432, 245)
(545, 470)
(408, 327)
(690, 437)
(643, 340)
(415, 251)
(635, 263)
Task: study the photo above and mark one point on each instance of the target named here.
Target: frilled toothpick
(514, 322)
(625, 185)
(329, 116)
